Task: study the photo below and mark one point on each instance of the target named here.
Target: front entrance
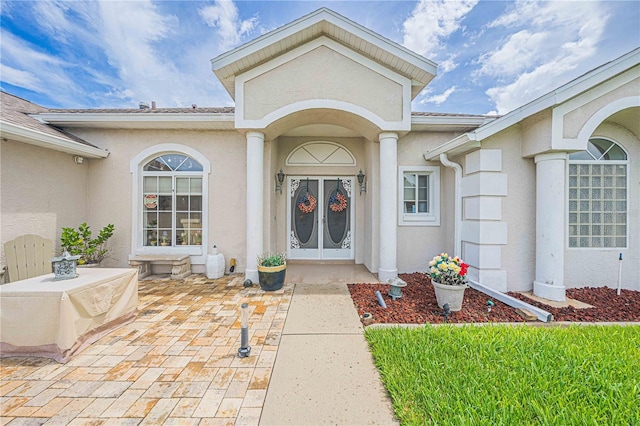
(320, 216)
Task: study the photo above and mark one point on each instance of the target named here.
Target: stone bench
(180, 264)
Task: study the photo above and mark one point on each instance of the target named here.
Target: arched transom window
(172, 204)
(598, 196)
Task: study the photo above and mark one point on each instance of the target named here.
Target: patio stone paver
(176, 364)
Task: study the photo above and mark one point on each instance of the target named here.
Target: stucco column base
(387, 274)
(250, 274)
(550, 291)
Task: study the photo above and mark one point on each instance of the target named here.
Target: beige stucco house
(546, 197)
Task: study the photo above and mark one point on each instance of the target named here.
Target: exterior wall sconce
(362, 182)
(279, 181)
(78, 159)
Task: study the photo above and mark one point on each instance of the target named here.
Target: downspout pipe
(542, 315)
(457, 204)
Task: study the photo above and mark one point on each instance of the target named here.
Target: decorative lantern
(395, 291)
(64, 267)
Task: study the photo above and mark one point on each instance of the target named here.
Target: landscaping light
(245, 349)
(489, 305)
(447, 312)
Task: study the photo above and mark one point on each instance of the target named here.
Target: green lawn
(508, 375)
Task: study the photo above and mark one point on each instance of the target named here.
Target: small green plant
(79, 242)
(272, 259)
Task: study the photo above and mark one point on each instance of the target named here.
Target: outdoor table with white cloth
(57, 319)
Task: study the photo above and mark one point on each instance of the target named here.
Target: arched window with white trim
(170, 208)
(597, 195)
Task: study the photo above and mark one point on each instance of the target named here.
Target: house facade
(323, 159)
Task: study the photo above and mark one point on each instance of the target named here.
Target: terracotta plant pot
(451, 294)
(271, 278)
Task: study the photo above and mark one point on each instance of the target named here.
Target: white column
(550, 225)
(388, 205)
(255, 202)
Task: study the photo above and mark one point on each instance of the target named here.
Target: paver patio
(175, 364)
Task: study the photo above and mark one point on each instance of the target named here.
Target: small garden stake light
(245, 349)
(490, 304)
(447, 312)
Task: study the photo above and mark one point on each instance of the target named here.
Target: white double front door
(319, 217)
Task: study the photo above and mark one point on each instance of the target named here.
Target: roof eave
(216, 121)
(460, 145)
(34, 137)
(562, 94)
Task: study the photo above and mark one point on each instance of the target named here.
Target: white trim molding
(416, 219)
(198, 254)
(579, 142)
(404, 124)
(44, 140)
(313, 151)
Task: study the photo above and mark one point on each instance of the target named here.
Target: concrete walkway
(324, 372)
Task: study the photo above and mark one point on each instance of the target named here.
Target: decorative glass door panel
(303, 207)
(320, 216)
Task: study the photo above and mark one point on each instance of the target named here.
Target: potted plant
(272, 268)
(92, 251)
(449, 279)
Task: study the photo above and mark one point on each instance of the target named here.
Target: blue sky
(493, 56)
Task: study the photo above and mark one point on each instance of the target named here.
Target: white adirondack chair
(28, 256)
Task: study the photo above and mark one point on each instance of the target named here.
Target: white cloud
(521, 50)
(447, 65)
(23, 64)
(132, 33)
(431, 22)
(554, 40)
(223, 16)
(55, 19)
(51, 17)
(20, 78)
(438, 99)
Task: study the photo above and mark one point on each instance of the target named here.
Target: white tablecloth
(57, 319)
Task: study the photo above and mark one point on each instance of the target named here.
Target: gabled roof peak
(323, 22)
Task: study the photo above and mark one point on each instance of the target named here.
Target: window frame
(567, 199)
(431, 218)
(198, 253)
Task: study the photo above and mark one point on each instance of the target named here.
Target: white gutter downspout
(457, 204)
(542, 315)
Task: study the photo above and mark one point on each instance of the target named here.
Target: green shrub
(79, 242)
(272, 259)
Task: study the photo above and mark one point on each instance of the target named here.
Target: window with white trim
(598, 196)
(172, 204)
(419, 195)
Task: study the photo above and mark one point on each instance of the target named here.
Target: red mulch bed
(418, 305)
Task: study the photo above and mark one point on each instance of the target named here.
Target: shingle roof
(446, 114)
(15, 110)
(197, 110)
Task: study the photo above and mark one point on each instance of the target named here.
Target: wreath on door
(307, 203)
(337, 202)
